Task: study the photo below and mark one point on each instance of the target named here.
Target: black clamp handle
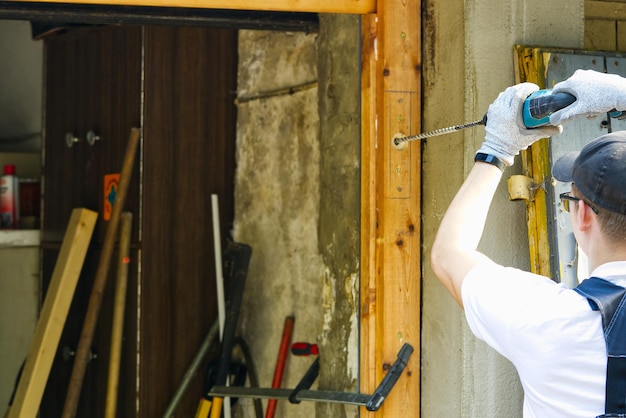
(381, 392)
(306, 381)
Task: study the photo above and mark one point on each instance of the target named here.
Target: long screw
(437, 132)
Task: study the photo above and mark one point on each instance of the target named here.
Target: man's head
(598, 172)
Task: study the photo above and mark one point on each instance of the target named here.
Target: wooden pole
(119, 305)
(95, 300)
(391, 286)
(53, 314)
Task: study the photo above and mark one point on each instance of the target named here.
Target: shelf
(15, 238)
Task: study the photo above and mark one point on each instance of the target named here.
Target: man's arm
(454, 251)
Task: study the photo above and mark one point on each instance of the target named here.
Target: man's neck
(605, 253)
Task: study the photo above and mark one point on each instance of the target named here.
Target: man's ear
(585, 215)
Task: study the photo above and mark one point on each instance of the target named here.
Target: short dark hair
(612, 224)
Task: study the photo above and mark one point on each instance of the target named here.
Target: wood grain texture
(398, 200)
(179, 84)
(188, 155)
(53, 314)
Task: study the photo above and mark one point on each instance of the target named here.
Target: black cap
(598, 171)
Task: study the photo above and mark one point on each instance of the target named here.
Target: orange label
(111, 183)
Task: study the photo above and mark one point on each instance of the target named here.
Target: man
(550, 333)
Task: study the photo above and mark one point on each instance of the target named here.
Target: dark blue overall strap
(609, 299)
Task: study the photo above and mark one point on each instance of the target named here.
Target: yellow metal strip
(530, 66)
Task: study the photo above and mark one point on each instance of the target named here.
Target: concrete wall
(277, 199)
(297, 202)
(468, 60)
(339, 228)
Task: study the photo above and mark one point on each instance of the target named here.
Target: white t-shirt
(547, 331)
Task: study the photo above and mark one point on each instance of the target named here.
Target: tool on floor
(192, 369)
(221, 298)
(237, 377)
(236, 262)
(302, 391)
(95, 300)
(237, 373)
(304, 349)
(280, 363)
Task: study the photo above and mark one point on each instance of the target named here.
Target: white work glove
(595, 93)
(506, 134)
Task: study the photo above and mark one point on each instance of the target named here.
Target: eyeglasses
(567, 197)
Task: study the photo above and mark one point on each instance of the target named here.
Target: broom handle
(119, 306)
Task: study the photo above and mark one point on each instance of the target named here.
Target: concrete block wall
(468, 60)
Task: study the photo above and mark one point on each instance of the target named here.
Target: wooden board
(315, 6)
(53, 314)
(367, 344)
(391, 237)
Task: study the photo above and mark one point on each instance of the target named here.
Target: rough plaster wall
(297, 202)
(339, 98)
(468, 60)
(277, 202)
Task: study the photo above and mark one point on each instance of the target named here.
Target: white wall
(21, 66)
(21, 80)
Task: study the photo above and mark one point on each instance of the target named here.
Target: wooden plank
(392, 285)
(314, 6)
(53, 314)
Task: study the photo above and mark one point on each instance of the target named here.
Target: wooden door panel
(189, 143)
(93, 83)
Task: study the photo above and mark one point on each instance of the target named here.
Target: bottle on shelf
(9, 198)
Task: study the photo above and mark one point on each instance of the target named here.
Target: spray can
(9, 198)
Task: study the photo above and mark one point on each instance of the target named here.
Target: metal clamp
(302, 393)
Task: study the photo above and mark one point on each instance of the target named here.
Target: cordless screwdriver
(536, 112)
(541, 104)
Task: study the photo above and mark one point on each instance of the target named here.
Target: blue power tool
(541, 104)
(536, 113)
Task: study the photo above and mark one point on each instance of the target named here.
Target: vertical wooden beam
(391, 256)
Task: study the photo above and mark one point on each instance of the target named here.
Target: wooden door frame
(391, 185)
